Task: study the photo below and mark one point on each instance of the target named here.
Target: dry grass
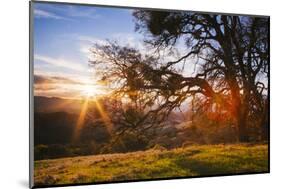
(181, 162)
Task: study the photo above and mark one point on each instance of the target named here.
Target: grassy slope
(189, 161)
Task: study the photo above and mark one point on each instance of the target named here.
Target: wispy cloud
(45, 85)
(43, 79)
(91, 40)
(86, 13)
(61, 63)
(87, 42)
(65, 13)
(128, 39)
(55, 85)
(39, 13)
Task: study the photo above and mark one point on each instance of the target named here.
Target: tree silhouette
(232, 54)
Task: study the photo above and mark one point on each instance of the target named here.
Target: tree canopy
(231, 54)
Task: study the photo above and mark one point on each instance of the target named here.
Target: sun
(89, 90)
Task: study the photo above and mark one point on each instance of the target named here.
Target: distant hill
(56, 121)
(54, 128)
(58, 128)
(54, 104)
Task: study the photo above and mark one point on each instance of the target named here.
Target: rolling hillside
(53, 104)
(197, 160)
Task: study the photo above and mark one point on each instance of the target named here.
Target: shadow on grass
(223, 165)
(199, 167)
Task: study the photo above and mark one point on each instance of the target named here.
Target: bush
(128, 142)
(40, 152)
(51, 151)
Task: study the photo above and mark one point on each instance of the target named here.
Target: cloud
(41, 79)
(64, 87)
(39, 13)
(123, 39)
(65, 13)
(57, 86)
(87, 42)
(84, 13)
(60, 62)
(92, 40)
(41, 71)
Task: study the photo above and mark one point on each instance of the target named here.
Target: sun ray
(81, 120)
(104, 116)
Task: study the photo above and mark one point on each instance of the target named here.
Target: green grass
(181, 162)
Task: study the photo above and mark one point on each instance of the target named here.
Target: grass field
(181, 162)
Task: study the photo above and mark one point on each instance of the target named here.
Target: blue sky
(63, 35)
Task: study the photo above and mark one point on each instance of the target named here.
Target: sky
(63, 35)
